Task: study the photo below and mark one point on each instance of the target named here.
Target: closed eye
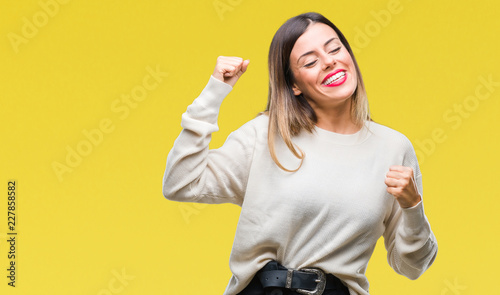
(335, 50)
(310, 64)
(314, 62)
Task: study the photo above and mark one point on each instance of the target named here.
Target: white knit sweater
(329, 214)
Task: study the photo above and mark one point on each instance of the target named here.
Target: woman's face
(322, 67)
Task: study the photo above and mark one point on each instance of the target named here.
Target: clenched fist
(401, 184)
(230, 68)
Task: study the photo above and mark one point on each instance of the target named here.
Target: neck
(337, 119)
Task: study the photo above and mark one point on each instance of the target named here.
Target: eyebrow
(312, 51)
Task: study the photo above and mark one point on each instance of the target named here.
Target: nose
(328, 62)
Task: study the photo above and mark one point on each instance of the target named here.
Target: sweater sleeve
(194, 173)
(410, 243)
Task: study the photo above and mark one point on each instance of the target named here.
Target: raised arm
(410, 243)
(193, 172)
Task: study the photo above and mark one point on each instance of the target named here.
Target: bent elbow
(175, 190)
(169, 192)
(421, 267)
(169, 189)
(171, 185)
(414, 276)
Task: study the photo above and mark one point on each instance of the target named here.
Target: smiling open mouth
(333, 80)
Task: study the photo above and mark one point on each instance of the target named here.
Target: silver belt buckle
(321, 282)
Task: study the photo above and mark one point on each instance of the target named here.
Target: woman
(317, 180)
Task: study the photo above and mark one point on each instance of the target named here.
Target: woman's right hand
(229, 69)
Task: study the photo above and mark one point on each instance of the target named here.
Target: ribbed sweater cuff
(214, 92)
(414, 220)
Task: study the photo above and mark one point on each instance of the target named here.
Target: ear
(296, 90)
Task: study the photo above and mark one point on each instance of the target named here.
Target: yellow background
(79, 233)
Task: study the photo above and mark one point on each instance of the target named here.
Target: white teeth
(334, 77)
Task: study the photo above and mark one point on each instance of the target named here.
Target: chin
(343, 96)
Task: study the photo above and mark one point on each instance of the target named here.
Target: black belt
(308, 281)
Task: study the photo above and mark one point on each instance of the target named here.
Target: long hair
(290, 114)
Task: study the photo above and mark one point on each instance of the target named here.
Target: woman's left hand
(401, 184)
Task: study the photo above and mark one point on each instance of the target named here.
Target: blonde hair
(290, 114)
